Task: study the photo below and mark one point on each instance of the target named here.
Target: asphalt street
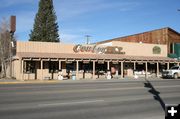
(108, 99)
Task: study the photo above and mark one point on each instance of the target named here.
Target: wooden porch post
(94, 69)
(157, 70)
(107, 65)
(167, 65)
(122, 69)
(146, 73)
(59, 64)
(41, 69)
(134, 65)
(77, 69)
(22, 69)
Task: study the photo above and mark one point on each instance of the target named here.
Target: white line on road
(167, 86)
(96, 89)
(70, 103)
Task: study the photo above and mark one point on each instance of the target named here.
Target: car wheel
(175, 76)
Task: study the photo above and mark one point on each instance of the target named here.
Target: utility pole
(12, 30)
(87, 39)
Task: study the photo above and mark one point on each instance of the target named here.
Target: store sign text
(98, 50)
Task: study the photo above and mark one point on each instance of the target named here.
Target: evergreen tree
(45, 26)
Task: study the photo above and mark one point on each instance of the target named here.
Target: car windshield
(174, 67)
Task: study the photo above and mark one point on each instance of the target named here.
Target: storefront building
(165, 36)
(44, 60)
(175, 51)
(145, 54)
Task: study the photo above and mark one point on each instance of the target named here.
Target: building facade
(44, 60)
(165, 36)
(176, 51)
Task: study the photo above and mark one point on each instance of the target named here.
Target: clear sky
(101, 19)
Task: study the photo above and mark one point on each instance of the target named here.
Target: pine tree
(45, 26)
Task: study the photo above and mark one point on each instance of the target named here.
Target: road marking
(70, 103)
(120, 99)
(167, 86)
(93, 90)
(139, 97)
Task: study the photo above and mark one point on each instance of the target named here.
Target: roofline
(173, 30)
(116, 39)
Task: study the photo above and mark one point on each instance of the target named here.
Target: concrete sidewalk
(13, 81)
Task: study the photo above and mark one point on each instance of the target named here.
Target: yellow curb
(29, 82)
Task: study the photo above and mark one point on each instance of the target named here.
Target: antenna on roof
(87, 38)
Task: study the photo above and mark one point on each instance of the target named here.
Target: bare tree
(5, 42)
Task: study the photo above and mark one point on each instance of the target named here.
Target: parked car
(173, 72)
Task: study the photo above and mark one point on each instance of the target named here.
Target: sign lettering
(98, 50)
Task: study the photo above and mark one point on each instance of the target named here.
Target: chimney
(13, 24)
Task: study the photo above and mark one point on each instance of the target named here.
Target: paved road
(88, 100)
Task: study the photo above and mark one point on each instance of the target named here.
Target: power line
(87, 39)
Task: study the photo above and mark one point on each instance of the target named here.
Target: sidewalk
(13, 81)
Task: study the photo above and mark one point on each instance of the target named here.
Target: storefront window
(87, 67)
(101, 68)
(70, 66)
(53, 66)
(29, 67)
(172, 48)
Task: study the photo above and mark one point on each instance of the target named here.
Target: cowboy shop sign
(98, 50)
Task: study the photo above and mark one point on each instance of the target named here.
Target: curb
(77, 81)
(28, 82)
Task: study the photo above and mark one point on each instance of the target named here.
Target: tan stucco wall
(44, 47)
(140, 49)
(131, 49)
(16, 69)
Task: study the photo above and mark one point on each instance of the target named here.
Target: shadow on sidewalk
(155, 93)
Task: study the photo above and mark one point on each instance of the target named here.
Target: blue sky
(101, 19)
